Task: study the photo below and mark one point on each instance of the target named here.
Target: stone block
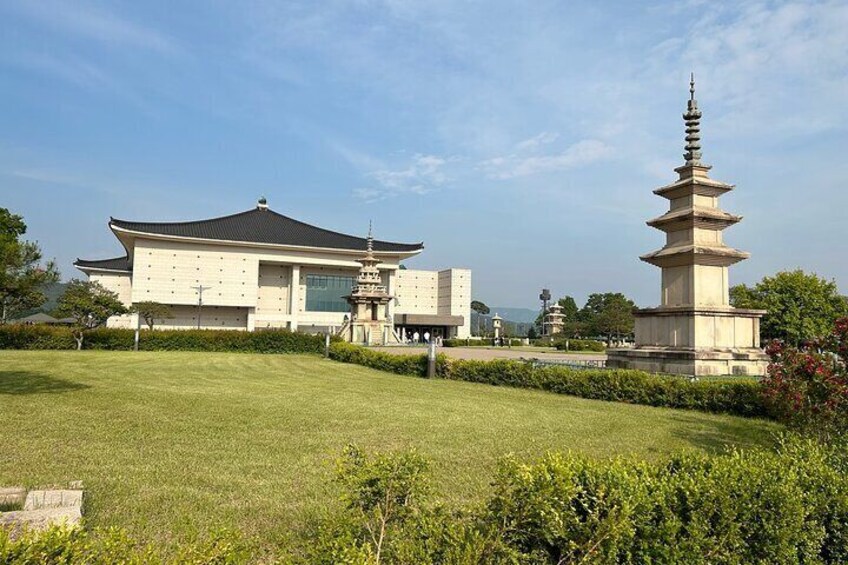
(12, 496)
(42, 499)
(41, 519)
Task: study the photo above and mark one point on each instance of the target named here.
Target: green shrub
(742, 397)
(62, 545)
(758, 506)
(415, 365)
(114, 339)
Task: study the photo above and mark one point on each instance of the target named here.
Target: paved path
(488, 353)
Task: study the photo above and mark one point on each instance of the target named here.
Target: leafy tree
(22, 276)
(90, 305)
(800, 306)
(481, 309)
(531, 333)
(150, 311)
(609, 314)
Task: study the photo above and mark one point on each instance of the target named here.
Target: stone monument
(554, 320)
(694, 331)
(497, 326)
(369, 323)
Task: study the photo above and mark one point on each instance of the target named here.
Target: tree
(22, 276)
(90, 305)
(609, 314)
(481, 310)
(150, 311)
(800, 306)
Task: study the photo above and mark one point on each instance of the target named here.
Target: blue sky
(519, 139)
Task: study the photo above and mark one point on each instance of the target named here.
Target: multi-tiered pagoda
(694, 331)
(369, 323)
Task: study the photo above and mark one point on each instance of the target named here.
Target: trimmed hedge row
(741, 397)
(415, 365)
(277, 341)
(485, 342)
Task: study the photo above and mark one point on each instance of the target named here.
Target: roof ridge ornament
(262, 204)
(692, 117)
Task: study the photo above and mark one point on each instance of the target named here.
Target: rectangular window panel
(325, 293)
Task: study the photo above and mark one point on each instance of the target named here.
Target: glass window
(324, 293)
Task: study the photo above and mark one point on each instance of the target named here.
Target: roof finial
(370, 238)
(262, 204)
(692, 117)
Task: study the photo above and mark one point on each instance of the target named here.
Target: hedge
(484, 342)
(276, 341)
(738, 396)
(783, 506)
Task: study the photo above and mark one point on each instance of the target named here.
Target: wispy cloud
(423, 174)
(85, 20)
(515, 165)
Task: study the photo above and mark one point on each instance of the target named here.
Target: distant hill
(52, 292)
(519, 315)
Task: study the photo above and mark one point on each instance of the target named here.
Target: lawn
(169, 444)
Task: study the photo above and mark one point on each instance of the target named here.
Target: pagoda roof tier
(692, 254)
(260, 226)
(687, 185)
(694, 217)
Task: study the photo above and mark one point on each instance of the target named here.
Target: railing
(571, 363)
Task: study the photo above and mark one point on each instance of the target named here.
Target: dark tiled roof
(262, 226)
(114, 264)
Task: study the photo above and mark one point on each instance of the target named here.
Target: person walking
(415, 338)
(427, 337)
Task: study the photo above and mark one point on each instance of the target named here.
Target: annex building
(259, 269)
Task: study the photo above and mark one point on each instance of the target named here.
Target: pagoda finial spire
(370, 239)
(692, 117)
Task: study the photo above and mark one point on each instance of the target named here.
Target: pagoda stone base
(370, 333)
(688, 340)
(696, 362)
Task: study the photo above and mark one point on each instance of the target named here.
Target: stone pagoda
(369, 323)
(694, 331)
(554, 320)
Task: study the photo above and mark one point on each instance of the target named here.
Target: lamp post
(200, 290)
(544, 297)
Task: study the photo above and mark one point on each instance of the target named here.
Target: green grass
(169, 444)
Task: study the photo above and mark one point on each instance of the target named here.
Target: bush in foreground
(759, 506)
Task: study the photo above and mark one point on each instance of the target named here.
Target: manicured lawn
(169, 444)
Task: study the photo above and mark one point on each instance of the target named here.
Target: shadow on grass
(27, 382)
(716, 437)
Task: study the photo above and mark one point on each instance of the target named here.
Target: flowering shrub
(807, 387)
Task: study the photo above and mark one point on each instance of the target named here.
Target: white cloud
(579, 154)
(543, 138)
(423, 174)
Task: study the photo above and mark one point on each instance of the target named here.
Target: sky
(519, 139)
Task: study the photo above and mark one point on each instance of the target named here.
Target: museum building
(259, 269)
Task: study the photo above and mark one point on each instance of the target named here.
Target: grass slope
(169, 444)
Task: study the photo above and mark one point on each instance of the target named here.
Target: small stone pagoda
(554, 320)
(694, 331)
(369, 323)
